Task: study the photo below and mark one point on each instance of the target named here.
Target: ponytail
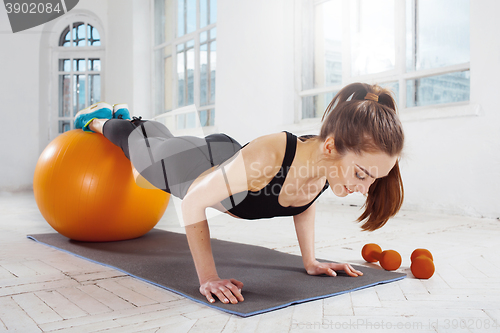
(363, 118)
(384, 200)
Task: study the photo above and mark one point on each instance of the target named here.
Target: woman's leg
(97, 124)
(117, 131)
(137, 139)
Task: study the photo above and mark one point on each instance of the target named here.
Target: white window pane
(439, 89)
(159, 23)
(180, 18)
(94, 65)
(79, 65)
(163, 21)
(190, 76)
(327, 44)
(191, 15)
(207, 117)
(315, 106)
(65, 39)
(158, 81)
(79, 88)
(93, 36)
(79, 34)
(164, 76)
(181, 121)
(94, 89)
(203, 118)
(211, 121)
(191, 120)
(169, 20)
(64, 65)
(64, 96)
(372, 36)
(64, 126)
(203, 36)
(438, 33)
(203, 74)
(213, 69)
(168, 85)
(203, 13)
(213, 11)
(394, 88)
(181, 81)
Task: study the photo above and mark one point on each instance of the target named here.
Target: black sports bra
(264, 203)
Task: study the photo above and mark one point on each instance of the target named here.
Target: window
(78, 71)
(185, 60)
(437, 34)
(417, 48)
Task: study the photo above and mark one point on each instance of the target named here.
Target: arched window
(79, 66)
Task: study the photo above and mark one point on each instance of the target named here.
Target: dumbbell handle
(375, 255)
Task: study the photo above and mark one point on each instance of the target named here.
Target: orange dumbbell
(422, 264)
(389, 260)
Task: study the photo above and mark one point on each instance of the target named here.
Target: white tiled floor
(42, 289)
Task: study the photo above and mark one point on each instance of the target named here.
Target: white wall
(255, 78)
(142, 60)
(18, 105)
(119, 53)
(26, 88)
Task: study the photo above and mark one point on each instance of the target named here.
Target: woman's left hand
(318, 268)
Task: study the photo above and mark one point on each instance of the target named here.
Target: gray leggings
(170, 163)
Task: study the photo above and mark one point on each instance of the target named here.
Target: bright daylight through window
(185, 60)
(350, 41)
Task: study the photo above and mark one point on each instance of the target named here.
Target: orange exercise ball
(85, 189)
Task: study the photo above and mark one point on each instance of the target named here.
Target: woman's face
(356, 172)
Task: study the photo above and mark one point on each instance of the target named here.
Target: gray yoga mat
(272, 279)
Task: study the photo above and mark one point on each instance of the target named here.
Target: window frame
(304, 13)
(173, 43)
(73, 52)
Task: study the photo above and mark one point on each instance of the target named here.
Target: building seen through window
(360, 43)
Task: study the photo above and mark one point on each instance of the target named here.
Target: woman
(357, 150)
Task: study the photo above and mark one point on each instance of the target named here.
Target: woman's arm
(304, 227)
(240, 174)
(246, 171)
(226, 290)
(209, 191)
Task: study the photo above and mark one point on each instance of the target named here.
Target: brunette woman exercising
(357, 150)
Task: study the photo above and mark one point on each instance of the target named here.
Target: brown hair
(360, 122)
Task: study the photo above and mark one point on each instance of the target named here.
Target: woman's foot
(99, 110)
(120, 111)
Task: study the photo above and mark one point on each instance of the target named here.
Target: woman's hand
(227, 291)
(318, 268)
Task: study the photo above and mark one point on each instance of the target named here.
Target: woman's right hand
(227, 291)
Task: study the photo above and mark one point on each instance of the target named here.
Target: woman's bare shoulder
(263, 158)
(267, 149)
